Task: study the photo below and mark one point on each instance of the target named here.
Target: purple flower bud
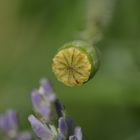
(47, 90)
(70, 124)
(78, 133)
(59, 108)
(40, 104)
(46, 86)
(62, 126)
(9, 126)
(9, 123)
(41, 130)
(4, 123)
(12, 119)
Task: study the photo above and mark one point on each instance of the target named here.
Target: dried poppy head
(75, 63)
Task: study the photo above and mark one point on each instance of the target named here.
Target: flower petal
(59, 108)
(47, 90)
(12, 119)
(78, 133)
(41, 130)
(40, 105)
(62, 126)
(70, 124)
(4, 124)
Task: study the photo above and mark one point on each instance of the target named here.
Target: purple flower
(40, 104)
(9, 123)
(42, 99)
(46, 90)
(62, 126)
(41, 130)
(9, 126)
(52, 122)
(77, 134)
(59, 108)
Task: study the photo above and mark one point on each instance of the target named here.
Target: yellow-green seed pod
(75, 63)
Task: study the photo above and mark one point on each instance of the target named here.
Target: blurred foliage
(108, 107)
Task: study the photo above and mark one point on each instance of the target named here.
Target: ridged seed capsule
(75, 63)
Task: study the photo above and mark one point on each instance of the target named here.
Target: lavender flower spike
(9, 127)
(52, 122)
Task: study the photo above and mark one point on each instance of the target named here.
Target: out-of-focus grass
(107, 107)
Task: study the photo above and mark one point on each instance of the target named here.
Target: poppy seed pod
(75, 63)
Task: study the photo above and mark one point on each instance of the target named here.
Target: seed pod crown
(75, 63)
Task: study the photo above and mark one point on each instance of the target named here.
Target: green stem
(98, 16)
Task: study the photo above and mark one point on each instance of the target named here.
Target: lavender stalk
(9, 127)
(51, 121)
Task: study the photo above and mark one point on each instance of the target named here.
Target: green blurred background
(107, 107)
